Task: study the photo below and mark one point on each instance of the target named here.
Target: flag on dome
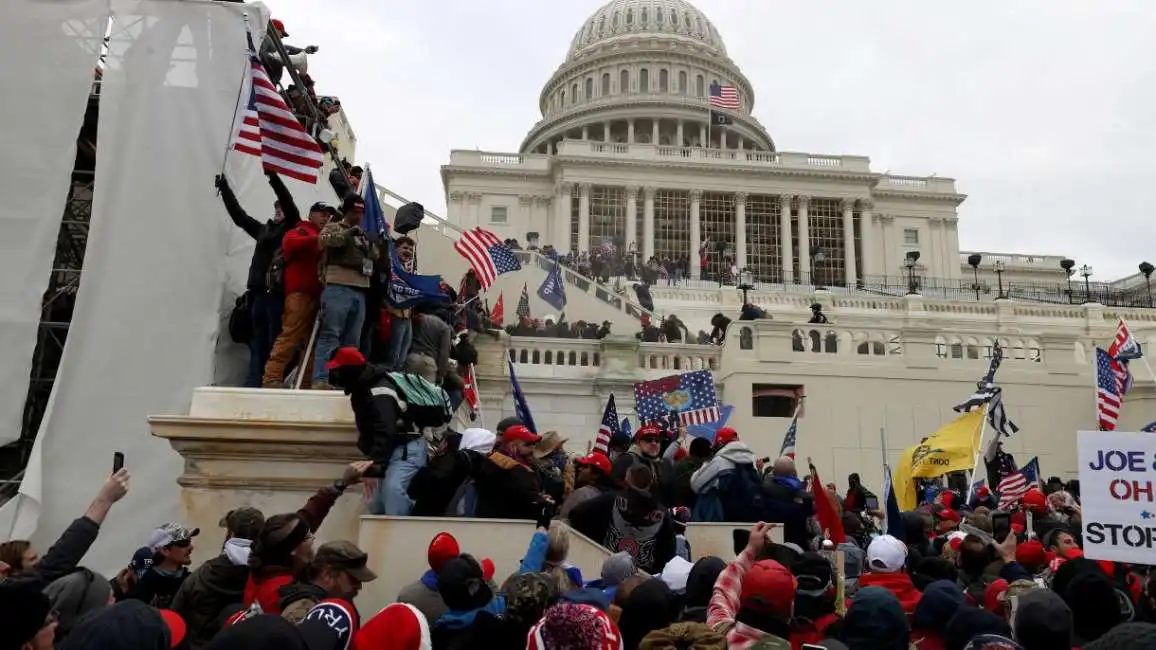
(725, 97)
(1014, 486)
(690, 397)
(498, 314)
(608, 428)
(268, 129)
(1108, 398)
(523, 308)
(488, 256)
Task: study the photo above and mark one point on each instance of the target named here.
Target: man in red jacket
(886, 567)
(302, 252)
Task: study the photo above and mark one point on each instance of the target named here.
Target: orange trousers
(296, 326)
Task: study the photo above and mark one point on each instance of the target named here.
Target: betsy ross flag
(788, 448)
(269, 130)
(523, 309)
(1014, 486)
(608, 428)
(498, 314)
(725, 97)
(488, 256)
(1108, 397)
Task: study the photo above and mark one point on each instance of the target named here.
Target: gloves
(220, 182)
(546, 514)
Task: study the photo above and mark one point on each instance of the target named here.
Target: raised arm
(318, 506)
(251, 226)
(288, 206)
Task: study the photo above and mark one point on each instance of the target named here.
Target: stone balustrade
(555, 358)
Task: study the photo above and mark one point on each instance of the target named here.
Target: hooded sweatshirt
(731, 455)
(128, 625)
(1043, 621)
(75, 595)
(700, 586)
(875, 621)
(215, 585)
(898, 583)
(941, 600)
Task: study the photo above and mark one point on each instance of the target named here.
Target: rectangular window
(775, 400)
(498, 214)
(911, 236)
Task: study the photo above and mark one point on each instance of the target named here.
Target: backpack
(275, 274)
(708, 507)
(423, 406)
(464, 503)
(741, 493)
(241, 320)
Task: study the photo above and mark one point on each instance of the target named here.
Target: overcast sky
(1042, 110)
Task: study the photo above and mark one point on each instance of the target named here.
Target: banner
(1117, 470)
(951, 449)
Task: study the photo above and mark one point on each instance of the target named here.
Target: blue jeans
(265, 309)
(391, 496)
(342, 315)
(400, 338)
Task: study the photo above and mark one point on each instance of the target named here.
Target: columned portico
(785, 236)
(561, 231)
(695, 234)
(867, 234)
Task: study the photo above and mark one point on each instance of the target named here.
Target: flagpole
(303, 365)
(978, 454)
(883, 444)
(1096, 391)
(237, 104)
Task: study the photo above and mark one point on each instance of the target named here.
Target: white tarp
(1118, 495)
(48, 53)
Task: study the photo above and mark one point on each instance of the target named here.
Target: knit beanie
(1129, 636)
(616, 568)
(399, 626)
(25, 610)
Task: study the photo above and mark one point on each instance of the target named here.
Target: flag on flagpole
(788, 448)
(269, 130)
(626, 427)
(709, 429)
(690, 397)
(523, 309)
(487, 255)
(825, 511)
(553, 289)
(373, 221)
(725, 97)
(1014, 486)
(498, 314)
(1123, 349)
(608, 428)
(893, 519)
(1108, 398)
(470, 391)
(521, 408)
(987, 393)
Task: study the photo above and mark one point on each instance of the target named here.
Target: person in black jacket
(265, 302)
(507, 485)
(787, 502)
(631, 520)
(172, 546)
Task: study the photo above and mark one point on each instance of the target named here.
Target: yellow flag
(951, 449)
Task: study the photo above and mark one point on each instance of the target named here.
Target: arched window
(674, 18)
(644, 81)
(644, 15)
(605, 84)
(589, 88)
(573, 93)
(562, 97)
(617, 19)
(624, 82)
(663, 81)
(700, 87)
(629, 16)
(682, 82)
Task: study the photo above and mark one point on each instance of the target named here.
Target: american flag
(788, 448)
(1014, 486)
(523, 309)
(488, 256)
(1124, 348)
(498, 313)
(1108, 398)
(269, 130)
(608, 428)
(726, 97)
(690, 395)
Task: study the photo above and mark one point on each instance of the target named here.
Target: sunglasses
(183, 543)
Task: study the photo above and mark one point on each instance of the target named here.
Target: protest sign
(1118, 495)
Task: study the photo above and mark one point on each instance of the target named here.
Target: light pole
(909, 263)
(817, 257)
(974, 259)
(999, 277)
(1086, 272)
(1066, 265)
(1146, 268)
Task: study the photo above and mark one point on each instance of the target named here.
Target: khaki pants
(296, 326)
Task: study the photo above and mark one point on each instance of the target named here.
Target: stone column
(526, 203)
(741, 230)
(585, 132)
(630, 131)
(702, 136)
(631, 216)
(722, 138)
(606, 131)
(786, 248)
(654, 131)
(890, 265)
(561, 230)
(647, 224)
(695, 233)
(804, 242)
(584, 217)
(867, 234)
(740, 147)
(475, 199)
(454, 211)
(933, 249)
(678, 135)
(541, 218)
(849, 241)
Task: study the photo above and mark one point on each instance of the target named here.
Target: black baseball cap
(322, 206)
(245, 522)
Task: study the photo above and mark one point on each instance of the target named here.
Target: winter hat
(25, 612)
(941, 601)
(814, 575)
(875, 619)
(700, 582)
(76, 594)
(993, 595)
(695, 636)
(1092, 598)
(1043, 621)
(1035, 501)
(527, 597)
(651, 606)
(127, 624)
(886, 554)
(768, 587)
(1129, 636)
(574, 627)
(330, 625)
(991, 642)
(442, 548)
(479, 440)
(616, 568)
(462, 584)
(397, 627)
(676, 573)
(970, 622)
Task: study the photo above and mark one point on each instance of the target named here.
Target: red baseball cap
(519, 432)
(176, 625)
(347, 356)
(1035, 501)
(991, 595)
(769, 588)
(724, 436)
(947, 514)
(487, 568)
(442, 548)
(279, 26)
(597, 460)
(982, 492)
(647, 430)
(1031, 553)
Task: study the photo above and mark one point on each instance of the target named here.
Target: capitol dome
(661, 17)
(639, 72)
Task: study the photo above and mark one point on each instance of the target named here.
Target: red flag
(499, 312)
(470, 391)
(825, 510)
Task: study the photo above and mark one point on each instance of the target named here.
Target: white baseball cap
(886, 554)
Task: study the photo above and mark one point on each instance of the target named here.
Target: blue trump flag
(553, 289)
(626, 428)
(521, 408)
(373, 221)
(893, 518)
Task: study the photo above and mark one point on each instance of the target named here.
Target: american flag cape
(689, 396)
(269, 130)
(1014, 486)
(608, 428)
(1108, 397)
(488, 256)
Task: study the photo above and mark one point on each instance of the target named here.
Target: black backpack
(275, 274)
(241, 321)
(741, 493)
